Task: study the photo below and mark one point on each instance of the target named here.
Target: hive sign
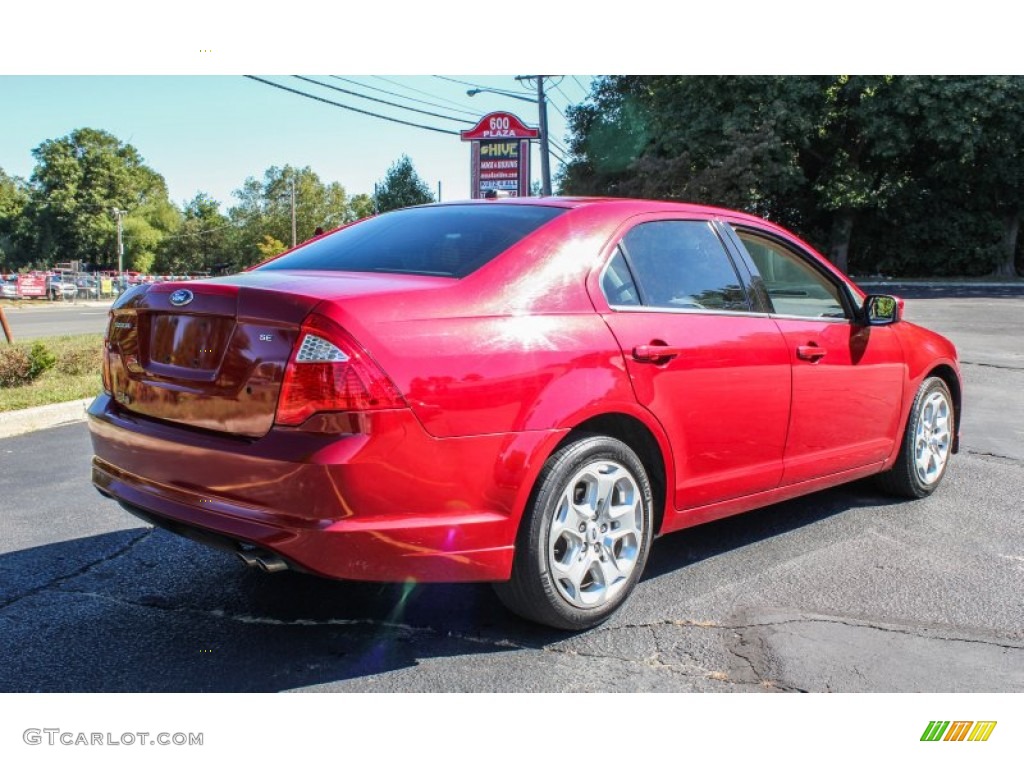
(500, 156)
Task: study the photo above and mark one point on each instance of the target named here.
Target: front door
(847, 377)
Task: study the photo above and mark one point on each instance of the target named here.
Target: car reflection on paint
(521, 391)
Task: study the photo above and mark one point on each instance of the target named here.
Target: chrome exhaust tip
(265, 561)
(271, 564)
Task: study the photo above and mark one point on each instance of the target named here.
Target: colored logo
(181, 297)
(958, 730)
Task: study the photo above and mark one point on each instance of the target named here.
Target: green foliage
(201, 241)
(269, 247)
(59, 384)
(264, 210)
(77, 181)
(41, 359)
(908, 175)
(401, 187)
(13, 199)
(20, 365)
(361, 206)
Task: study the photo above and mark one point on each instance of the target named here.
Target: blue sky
(208, 133)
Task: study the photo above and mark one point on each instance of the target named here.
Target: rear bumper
(390, 503)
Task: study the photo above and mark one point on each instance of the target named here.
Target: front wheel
(584, 538)
(927, 443)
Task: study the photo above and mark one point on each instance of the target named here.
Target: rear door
(847, 377)
(714, 372)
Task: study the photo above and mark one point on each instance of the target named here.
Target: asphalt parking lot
(845, 590)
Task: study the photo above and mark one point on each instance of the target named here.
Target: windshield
(450, 241)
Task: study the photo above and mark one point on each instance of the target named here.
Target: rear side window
(449, 241)
(683, 265)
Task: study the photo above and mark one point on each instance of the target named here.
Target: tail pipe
(265, 561)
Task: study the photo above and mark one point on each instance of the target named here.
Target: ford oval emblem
(181, 297)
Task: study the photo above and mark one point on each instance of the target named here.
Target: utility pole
(294, 237)
(118, 213)
(545, 152)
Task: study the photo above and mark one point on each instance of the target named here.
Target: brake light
(329, 371)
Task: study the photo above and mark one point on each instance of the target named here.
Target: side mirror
(880, 309)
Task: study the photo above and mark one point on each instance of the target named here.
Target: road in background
(56, 319)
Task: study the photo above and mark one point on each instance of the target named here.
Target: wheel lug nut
(583, 527)
(604, 528)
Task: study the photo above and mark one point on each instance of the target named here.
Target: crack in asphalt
(56, 582)
(922, 634)
(990, 455)
(992, 365)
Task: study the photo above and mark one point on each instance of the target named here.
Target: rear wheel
(927, 443)
(584, 538)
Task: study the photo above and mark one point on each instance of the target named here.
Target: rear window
(450, 241)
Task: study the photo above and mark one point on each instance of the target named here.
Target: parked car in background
(59, 289)
(9, 289)
(523, 391)
(88, 288)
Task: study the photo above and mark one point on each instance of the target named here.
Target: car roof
(623, 205)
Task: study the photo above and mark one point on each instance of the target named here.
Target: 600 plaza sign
(500, 158)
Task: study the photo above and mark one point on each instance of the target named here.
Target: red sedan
(519, 391)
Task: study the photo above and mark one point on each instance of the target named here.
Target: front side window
(794, 286)
(683, 265)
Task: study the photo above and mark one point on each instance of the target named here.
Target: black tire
(925, 450)
(584, 538)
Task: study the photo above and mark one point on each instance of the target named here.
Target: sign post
(500, 156)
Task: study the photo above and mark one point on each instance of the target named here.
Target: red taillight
(329, 371)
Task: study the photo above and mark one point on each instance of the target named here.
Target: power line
(409, 98)
(476, 85)
(419, 90)
(379, 101)
(552, 103)
(352, 109)
(586, 93)
(568, 101)
(205, 231)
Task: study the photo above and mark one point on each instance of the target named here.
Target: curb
(42, 417)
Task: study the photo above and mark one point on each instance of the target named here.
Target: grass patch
(75, 376)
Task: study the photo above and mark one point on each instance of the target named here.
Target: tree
(265, 209)
(907, 174)
(200, 243)
(77, 181)
(401, 187)
(13, 199)
(269, 247)
(360, 206)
